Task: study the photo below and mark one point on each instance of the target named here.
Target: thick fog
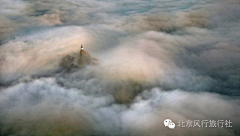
(158, 60)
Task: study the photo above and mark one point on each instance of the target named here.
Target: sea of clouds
(158, 59)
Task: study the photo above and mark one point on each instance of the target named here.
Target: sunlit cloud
(157, 60)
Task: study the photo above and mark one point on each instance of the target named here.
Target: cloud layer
(158, 60)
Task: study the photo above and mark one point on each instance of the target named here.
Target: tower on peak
(81, 47)
(82, 51)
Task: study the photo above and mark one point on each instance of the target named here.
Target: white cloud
(158, 60)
